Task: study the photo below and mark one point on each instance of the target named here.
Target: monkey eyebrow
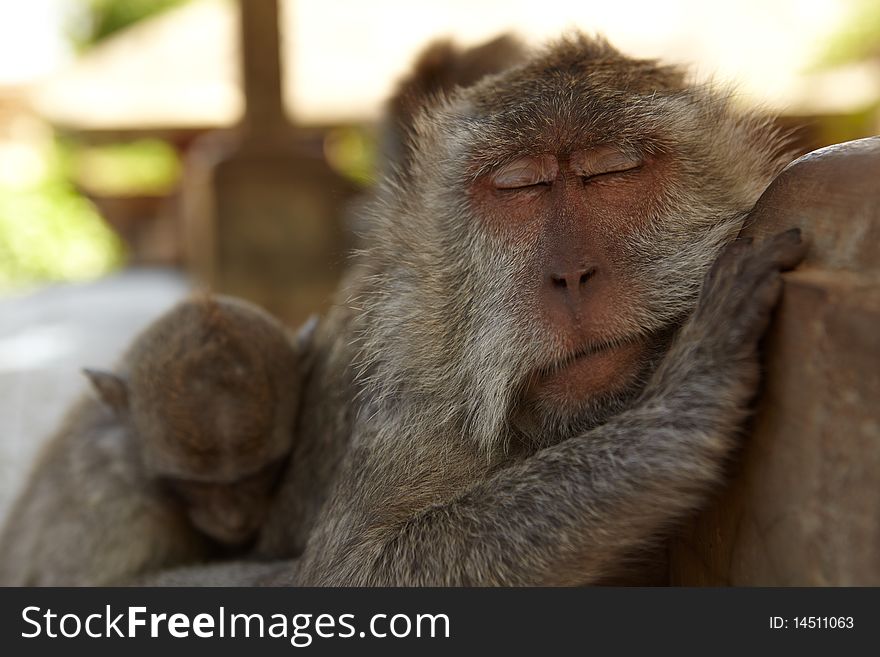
(526, 171)
(603, 159)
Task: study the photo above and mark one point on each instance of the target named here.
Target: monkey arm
(566, 513)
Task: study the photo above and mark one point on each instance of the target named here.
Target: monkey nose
(572, 282)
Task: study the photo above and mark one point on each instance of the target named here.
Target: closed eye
(535, 185)
(527, 172)
(606, 175)
(604, 162)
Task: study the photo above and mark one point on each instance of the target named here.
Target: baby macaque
(183, 448)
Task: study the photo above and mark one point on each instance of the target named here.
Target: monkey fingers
(743, 287)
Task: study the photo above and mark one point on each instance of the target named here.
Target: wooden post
(263, 215)
(261, 67)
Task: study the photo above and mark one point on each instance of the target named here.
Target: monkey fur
(516, 426)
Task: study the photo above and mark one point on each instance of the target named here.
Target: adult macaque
(543, 387)
(177, 460)
(550, 370)
(539, 369)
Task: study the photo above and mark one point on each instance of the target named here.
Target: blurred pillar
(263, 216)
(261, 67)
(803, 507)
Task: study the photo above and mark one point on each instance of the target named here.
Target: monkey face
(533, 263)
(574, 215)
(231, 513)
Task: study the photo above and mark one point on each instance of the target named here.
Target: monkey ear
(110, 387)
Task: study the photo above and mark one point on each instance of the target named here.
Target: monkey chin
(579, 381)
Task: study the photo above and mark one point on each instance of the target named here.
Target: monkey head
(211, 390)
(530, 266)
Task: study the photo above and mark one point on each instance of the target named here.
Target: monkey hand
(741, 290)
(716, 351)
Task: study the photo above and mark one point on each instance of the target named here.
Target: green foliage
(98, 19)
(145, 166)
(49, 232)
(352, 152)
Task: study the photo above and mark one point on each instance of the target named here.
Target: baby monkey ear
(110, 387)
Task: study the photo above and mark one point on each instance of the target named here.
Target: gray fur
(441, 484)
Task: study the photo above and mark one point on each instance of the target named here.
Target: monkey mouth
(596, 369)
(588, 351)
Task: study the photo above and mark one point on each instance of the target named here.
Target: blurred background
(118, 117)
(147, 146)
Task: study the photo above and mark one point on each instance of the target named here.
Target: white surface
(47, 336)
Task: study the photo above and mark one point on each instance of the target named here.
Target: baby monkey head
(210, 391)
